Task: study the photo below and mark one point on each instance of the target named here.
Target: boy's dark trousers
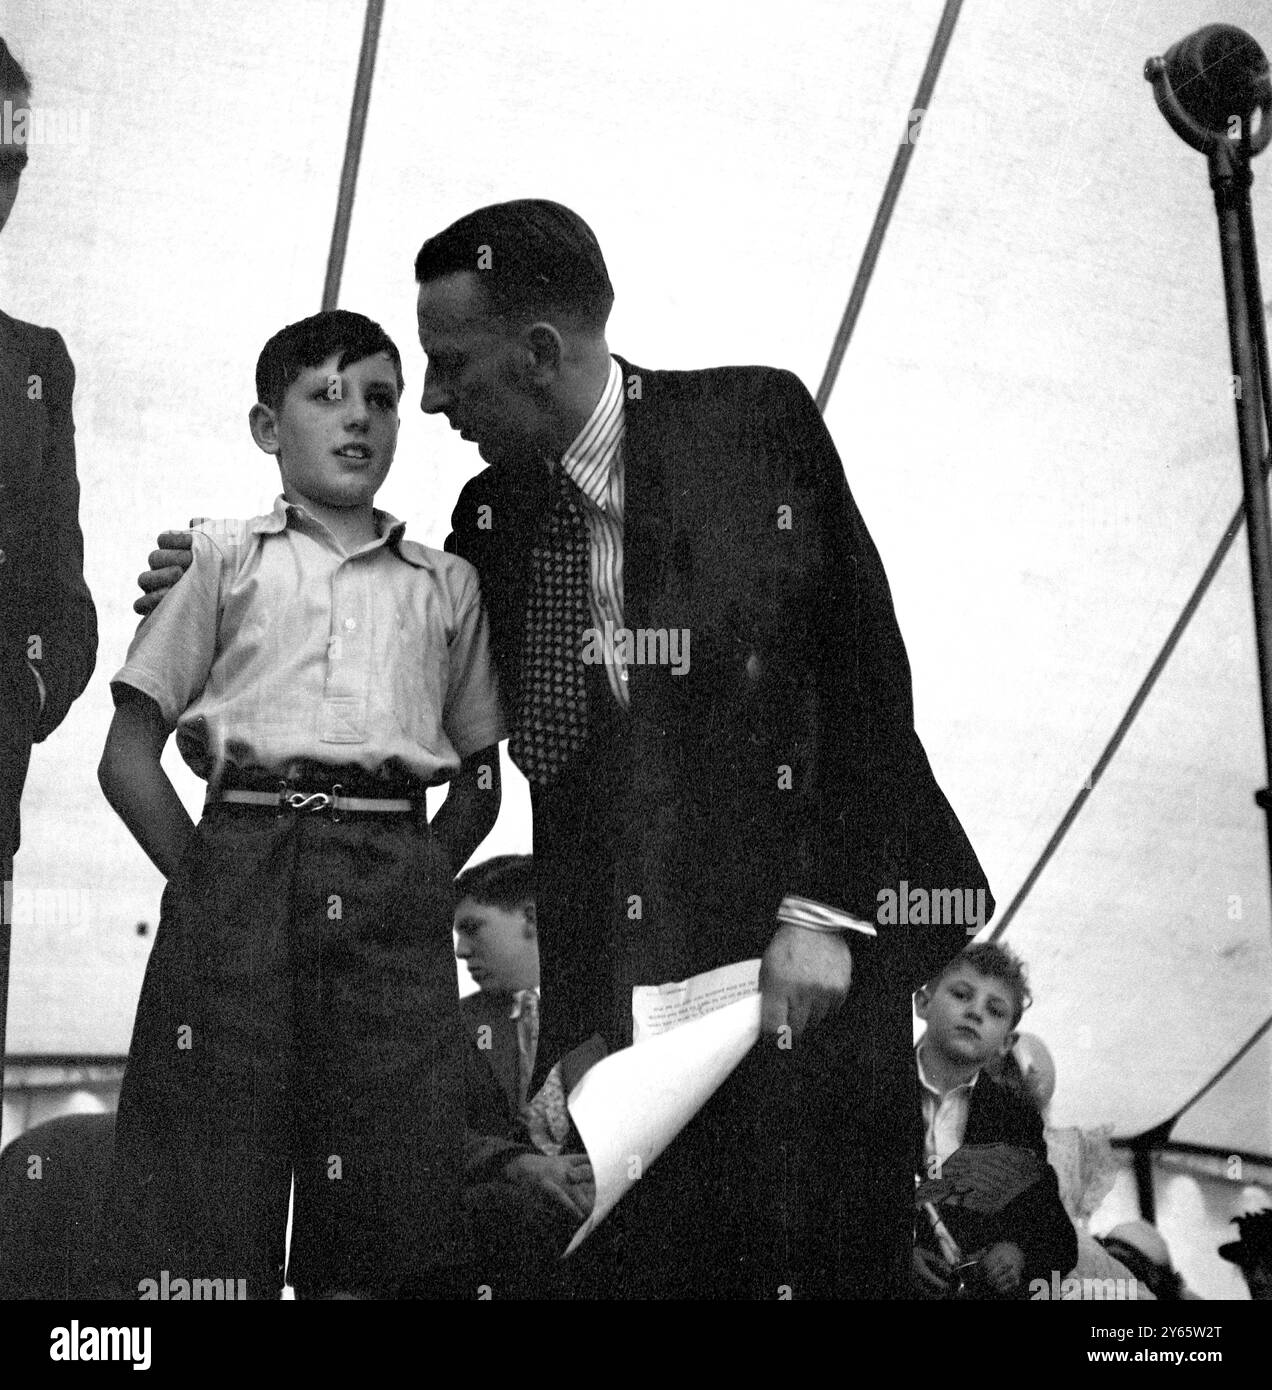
(300, 1009)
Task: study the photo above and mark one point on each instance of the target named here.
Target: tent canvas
(1034, 413)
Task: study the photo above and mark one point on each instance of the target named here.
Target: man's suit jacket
(785, 760)
(42, 591)
(1035, 1220)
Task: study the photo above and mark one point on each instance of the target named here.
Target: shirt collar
(589, 460)
(389, 528)
(936, 1090)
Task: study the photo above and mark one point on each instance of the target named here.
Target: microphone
(1217, 73)
(1210, 86)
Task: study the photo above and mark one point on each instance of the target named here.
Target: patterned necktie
(546, 1117)
(551, 723)
(527, 1017)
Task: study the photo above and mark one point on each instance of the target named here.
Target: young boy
(299, 1009)
(1004, 1225)
(525, 1203)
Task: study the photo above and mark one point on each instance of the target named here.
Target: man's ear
(921, 1001)
(544, 351)
(263, 423)
(532, 922)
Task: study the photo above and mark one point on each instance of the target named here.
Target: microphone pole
(1215, 91)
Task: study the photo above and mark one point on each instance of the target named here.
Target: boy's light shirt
(944, 1116)
(276, 646)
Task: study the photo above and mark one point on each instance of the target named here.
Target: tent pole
(353, 153)
(1128, 718)
(892, 191)
(1230, 177)
(1142, 1165)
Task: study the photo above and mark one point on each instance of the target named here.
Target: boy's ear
(532, 923)
(922, 998)
(263, 423)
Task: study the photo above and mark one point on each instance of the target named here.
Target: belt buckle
(309, 801)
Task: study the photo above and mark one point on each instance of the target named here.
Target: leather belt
(306, 802)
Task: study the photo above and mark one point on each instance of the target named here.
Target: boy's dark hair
(534, 257)
(998, 963)
(505, 882)
(13, 76)
(310, 342)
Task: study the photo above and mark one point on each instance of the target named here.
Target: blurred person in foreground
(48, 625)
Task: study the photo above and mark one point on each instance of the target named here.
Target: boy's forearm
(138, 788)
(471, 807)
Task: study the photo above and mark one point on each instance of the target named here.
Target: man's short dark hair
(996, 963)
(505, 882)
(13, 76)
(310, 342)
(535, 258)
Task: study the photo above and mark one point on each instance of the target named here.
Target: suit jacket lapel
(503, 1055)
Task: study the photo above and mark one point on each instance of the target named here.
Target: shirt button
(350, 624)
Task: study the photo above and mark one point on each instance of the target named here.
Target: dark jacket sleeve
(1037, 1221)
(875, 817)
(59, 607)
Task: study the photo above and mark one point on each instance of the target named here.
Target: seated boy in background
(299, 1008)
(525, 1196)
(989, 1220)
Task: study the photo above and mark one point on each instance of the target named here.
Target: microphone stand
(1228, 153)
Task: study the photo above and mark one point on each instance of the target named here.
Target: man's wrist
(812, 915)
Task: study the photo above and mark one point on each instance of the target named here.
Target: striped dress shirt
(594, 463)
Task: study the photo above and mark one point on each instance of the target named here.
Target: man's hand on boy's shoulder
(167, 564)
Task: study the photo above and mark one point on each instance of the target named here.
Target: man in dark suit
(737, 775)
(48, 625)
